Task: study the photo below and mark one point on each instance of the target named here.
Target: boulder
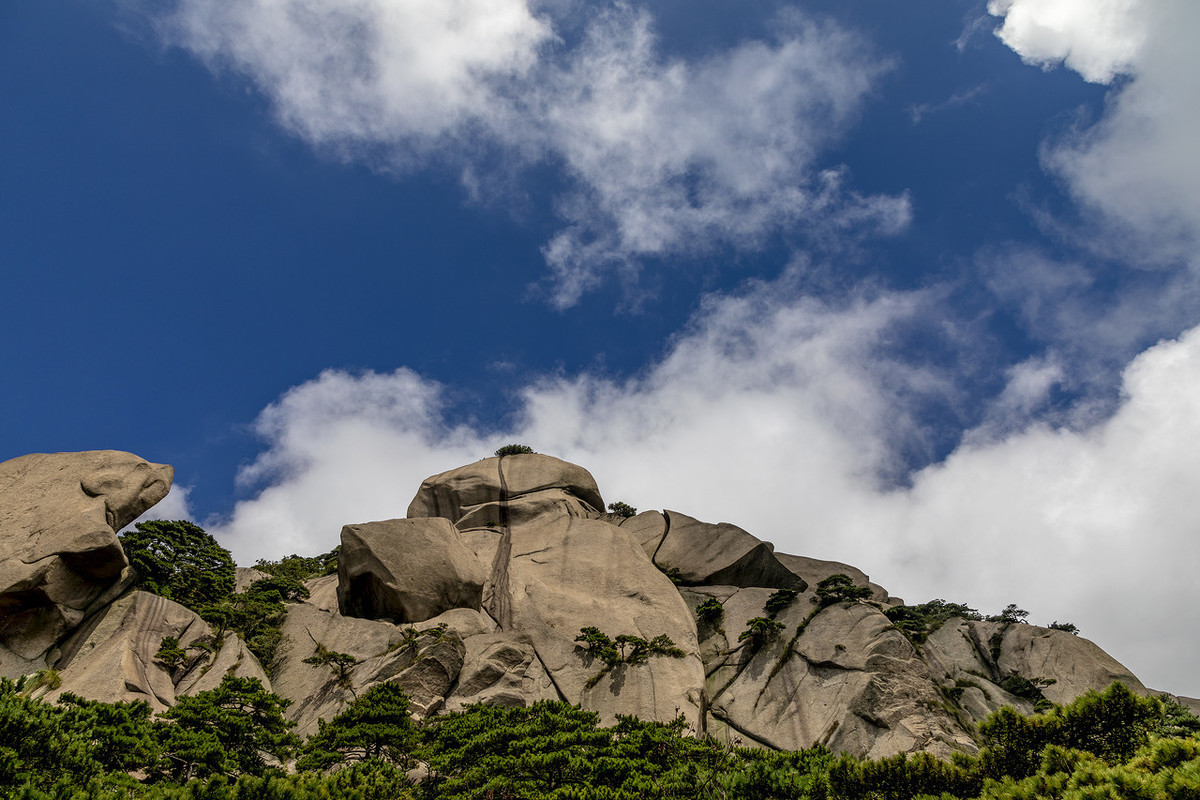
(500, 669)
(59, 553)
(407, 570)
(112, 658)
(843, 677)
(556, 576)
(500, 491)
(647, 529)
(815, 570)
(718, 554)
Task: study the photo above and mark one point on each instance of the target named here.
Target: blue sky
(909, 285)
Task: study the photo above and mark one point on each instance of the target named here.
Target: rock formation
(59, 554)
(482, 594)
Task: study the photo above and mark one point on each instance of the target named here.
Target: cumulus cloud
(661, 157)
(785, 415)
(1137, 168)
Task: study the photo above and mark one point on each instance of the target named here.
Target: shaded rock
(815, 570)
(406, 569)
(555, 577)
(59, 517)
(706, 553)
(500, 491)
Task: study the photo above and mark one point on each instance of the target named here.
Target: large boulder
(407, 570)
(841, 676)
(508, 490)
(979, 657)
(112, 657)
(815, 570)
(558, 575)
(59, 553)
(717, 554)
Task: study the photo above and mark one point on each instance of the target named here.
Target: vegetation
(759, 631)
(1064, 626)
(625, 649)
(919, 621)
(839, 588)
(779, 601)
(1010, 615)
(300, 568)
(179, 561)
(710, 611)
(233, 741)
(622, 509)
(515, 450)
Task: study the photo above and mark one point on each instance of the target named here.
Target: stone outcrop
(499, 491)
(480, 595)
(112, 657)
(59, 554)
(720, 554)
(407, 570)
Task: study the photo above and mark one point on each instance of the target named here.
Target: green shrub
(759, 631)
(710, 611)
(179, 561)
(779, 601)
(622, 509)
(515, 450)
(838, 588)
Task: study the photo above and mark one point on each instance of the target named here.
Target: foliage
(1029, 689)
(1178, 721)
(920, 621)
(838, 588)
(255, 614)
(230, 729)
(1011, 615)
(515, 450)
(779, 601)
(1064, 626)
(759, 631)
(626, 649)
(339, 663)
(710, 611)
(300, 568)
(375, 726)
(622, 509)
(178, 560)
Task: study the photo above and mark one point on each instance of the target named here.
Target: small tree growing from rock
(622, 509)
(626, 649)
(515, 450)
(838, 588)
(759, 631)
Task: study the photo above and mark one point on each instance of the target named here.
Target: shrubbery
(1109, 744)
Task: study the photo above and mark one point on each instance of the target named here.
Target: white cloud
(780, 415)
(1138, 167)
(662, 156)
(1097, 38)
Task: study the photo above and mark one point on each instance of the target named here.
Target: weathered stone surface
(647, 529)
(112, 656)
(512, 489)
(500, 669)
(720, 554)
(382, 652)
(243, 577)
(815, 570)
(59, 517)
(407, 570)
(849, 681)
(553, 578)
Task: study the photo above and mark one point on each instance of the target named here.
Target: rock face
(59, 553)
(408, 570)
(480, 596)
